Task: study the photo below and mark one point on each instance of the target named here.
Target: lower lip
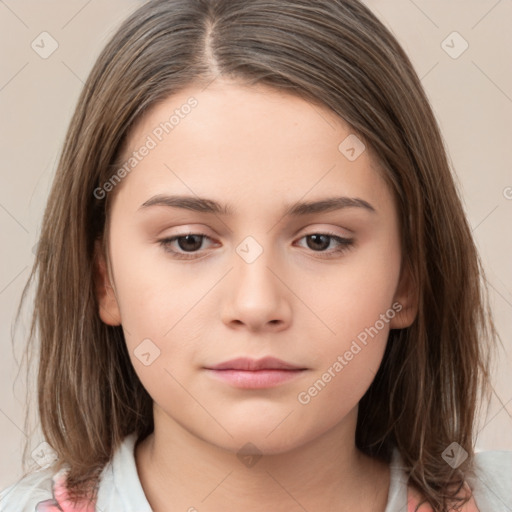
(256, 379)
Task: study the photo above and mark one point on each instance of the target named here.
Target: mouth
(249, 373)
(248, 364)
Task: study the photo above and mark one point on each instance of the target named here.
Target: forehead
(255, 117)
(255, 144)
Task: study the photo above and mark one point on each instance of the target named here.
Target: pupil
(189, 242)
(317, 239)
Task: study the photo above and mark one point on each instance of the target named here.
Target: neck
(180, 471)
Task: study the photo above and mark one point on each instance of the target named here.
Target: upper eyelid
(346, 232)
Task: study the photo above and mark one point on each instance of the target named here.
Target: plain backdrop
(461, 49)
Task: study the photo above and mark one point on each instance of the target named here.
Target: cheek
(155, 293)
(345, 368)
(356, 305)
(353, 295)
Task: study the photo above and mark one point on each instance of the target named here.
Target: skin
(257, 149)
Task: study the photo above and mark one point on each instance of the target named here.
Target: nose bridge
(255, 258)
(256, 296)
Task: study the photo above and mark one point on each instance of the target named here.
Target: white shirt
(120, 489)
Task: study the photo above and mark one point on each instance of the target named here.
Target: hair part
(334, 53)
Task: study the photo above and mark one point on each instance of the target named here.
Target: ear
(108, 307)
(406, 299)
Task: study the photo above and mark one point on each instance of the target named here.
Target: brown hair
(331, 52)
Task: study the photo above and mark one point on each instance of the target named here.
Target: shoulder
(491, 481)
(414, 498)
(43, 491)
(27, 493)
(490, 485)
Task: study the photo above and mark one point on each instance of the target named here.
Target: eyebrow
(204, 205)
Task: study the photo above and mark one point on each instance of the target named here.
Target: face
(261, 269)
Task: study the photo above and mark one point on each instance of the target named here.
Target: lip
(248, 364)
(246, 373)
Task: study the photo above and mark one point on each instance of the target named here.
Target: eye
(320, 242)
(188, 245)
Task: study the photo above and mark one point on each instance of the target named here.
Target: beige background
(471, 96)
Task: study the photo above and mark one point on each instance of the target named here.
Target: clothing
(120, 489)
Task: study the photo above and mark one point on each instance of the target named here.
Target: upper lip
(248, 364)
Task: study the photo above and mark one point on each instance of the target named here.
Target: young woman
(256, 286)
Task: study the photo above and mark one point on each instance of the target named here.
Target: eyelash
(344, 245)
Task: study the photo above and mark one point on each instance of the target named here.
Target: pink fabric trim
(60, 501)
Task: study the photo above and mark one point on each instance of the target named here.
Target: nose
(255, 296)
